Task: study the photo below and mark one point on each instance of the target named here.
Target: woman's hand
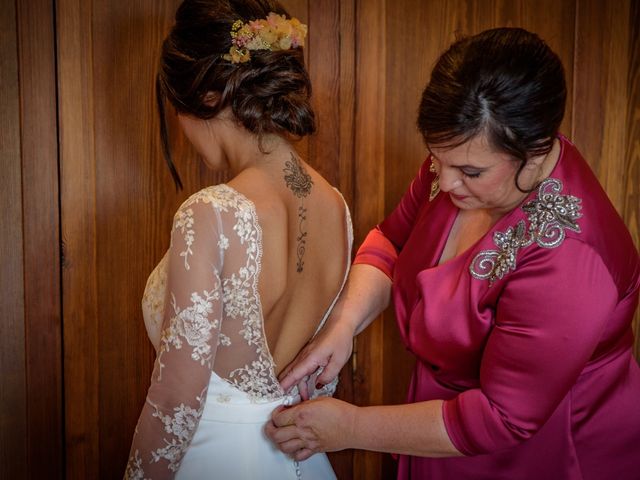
(321, 360)
(320, 425)
(364, 296)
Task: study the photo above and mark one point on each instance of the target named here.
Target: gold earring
(435, 184)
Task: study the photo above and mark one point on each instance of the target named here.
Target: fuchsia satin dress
(526, 335)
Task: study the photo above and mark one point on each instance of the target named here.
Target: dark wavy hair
(268, 94)
(505, 83)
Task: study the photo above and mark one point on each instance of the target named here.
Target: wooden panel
(601, 72)
(631, 213)
(42, 237)
(13, 394)
(78, 231)
(369, 152)
(607, 103)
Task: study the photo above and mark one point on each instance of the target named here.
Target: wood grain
(601, 73)
(330, 149)
(13, 387)
(42, 237)
(369, 151)
(78, 226)
(631, 213)
(606, 70)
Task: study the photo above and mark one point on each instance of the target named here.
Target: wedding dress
(214, 386)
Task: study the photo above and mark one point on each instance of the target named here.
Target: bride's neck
(265, 154)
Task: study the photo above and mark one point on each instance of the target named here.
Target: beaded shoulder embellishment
(549, 215)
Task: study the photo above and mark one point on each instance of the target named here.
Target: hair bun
(271, 94)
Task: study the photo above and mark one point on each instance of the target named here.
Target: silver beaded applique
(549, 215)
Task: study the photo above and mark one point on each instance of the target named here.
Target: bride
(254, 265)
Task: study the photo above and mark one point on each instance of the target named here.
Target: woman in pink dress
(514, 282)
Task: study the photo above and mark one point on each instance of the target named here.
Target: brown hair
(268, 94)
(505, 83)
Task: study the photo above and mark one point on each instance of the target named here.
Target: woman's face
(477, 177)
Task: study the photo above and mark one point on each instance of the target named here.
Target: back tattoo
(300, 183)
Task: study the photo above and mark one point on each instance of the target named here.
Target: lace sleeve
(190, 330)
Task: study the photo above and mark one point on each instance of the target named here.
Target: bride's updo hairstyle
(268, 94)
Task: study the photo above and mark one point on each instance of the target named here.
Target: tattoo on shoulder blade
(300, 183)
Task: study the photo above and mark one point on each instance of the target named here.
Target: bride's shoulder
(221, 197)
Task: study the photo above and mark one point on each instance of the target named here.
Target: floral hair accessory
(272, 33)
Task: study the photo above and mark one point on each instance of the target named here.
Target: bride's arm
(188, 344)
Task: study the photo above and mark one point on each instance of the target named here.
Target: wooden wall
(87, 201)
(31, 441)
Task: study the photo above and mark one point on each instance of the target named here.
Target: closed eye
(470, 174)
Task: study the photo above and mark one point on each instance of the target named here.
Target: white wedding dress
(214, 386)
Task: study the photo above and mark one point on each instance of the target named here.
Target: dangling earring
(435, 184)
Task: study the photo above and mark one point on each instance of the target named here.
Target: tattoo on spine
(300, 183)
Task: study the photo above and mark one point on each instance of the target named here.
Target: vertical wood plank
(369, 197)
(324, 68)
(347, 98)
(300, 10)
(606, 93)
(78, 212)
(13, 394)
(631, 213)
(42, 241)
(601, 73)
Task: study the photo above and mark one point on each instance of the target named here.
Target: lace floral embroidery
(240, 296)
(181, 427)
(184, 221)
(223, 242)
(193, 325)
(134, 469)
(549, 215)
(241, 300)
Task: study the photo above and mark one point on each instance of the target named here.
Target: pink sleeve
(381, 246)
(188, 345)
(549, 319)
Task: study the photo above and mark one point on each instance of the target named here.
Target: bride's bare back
(304, 223)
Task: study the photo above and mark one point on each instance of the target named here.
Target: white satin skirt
(230, 444)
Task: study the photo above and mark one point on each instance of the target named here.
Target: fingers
(330, 372)
(288, 441)
(291, 447)
(299, 369)
(283, 416)
(303, 388)
(303, 454)
(282, 435)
